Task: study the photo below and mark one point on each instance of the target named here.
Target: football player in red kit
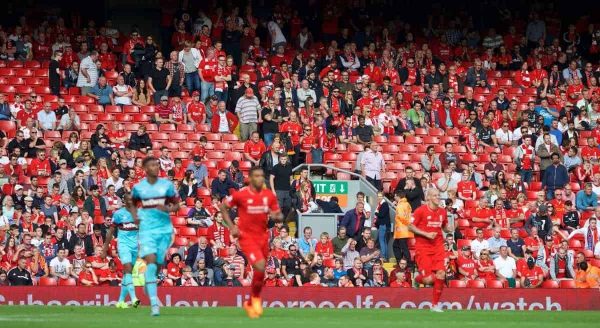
(429, 222)
(254, 204)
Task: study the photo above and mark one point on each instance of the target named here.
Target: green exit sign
(331, 187)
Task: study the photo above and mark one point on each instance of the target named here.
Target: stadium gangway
(328, 222)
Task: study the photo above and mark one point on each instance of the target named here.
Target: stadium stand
(505, 125)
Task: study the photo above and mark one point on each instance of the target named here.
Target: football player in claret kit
(156, 198)
(255, 203)
(127, 246)
(430, 221)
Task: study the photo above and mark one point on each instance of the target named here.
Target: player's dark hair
(148, 160)
(253, 169)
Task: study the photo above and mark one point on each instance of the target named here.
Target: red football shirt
(255, 149)
(197, 111)
(253, 209)
(429, 220)
(466, 189)
(467, 264)
(532, 274)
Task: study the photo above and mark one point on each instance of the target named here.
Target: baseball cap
(195, 93)
(197, 158)
(530, 261)
(214, 97)
(249, 92)
(543, 209)
(466, 248)
(18, 187)
(28, 199)
(164, 98)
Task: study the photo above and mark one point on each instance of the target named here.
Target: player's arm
(109, 237)
(417, 231)
(274, 210)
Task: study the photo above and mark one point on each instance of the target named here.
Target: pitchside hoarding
(363, 298)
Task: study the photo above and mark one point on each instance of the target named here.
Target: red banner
(452, 299)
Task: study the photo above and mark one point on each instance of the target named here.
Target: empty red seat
(567, 284)
(476, 284)
(457, 284)
(187, 231)
(181, 241)
(550, 284)
(47, 281)
(495, 284)
(67, 282)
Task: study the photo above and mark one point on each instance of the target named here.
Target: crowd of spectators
(517, 107)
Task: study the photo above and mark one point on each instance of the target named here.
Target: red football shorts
(256, 248)
(429, 261)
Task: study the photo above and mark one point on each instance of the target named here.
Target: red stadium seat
(179, 221)
(494, 284)
(202, 232)
(567, 284)
(457, 284)
(476, 284)
(67, 282)
(47, 281)
(181, 242)
(187, 231)
(550, 284)
(463, 242)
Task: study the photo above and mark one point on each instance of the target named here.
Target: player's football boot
(135, 303)
(155, 311)
(437, 308)
(250, 310)
(257, 305)
(121, 305)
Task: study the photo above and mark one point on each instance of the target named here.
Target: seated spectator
(19, 275)
(163, 112)
(187, 280)
(175, 267)
(254, 149)
(203, 280)
(430, 161)
(102, 92)
(198, 216)
(123, 93)
(466, 265)
(87, 277)
(531, 275)
(141, 95)
(70, 122)
(140, 140)
(205, 251)
(60, 267)
(586, 199)
(221, 186)
(47, 118)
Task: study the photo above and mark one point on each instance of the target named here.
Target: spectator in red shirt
(400, 281)
(485, 266)
(107, 59)
(532, 275)
(40, 166)
(87, 276)
(174, 267)
(112, 276)
(254, 148)
(196, 110)
(466, 189)
(164, 112)
(481, 217)
(466, 265)
(324, 247)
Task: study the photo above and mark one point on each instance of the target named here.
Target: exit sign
(326, 189)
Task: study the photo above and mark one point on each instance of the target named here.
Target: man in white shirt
(504, 136)
(47, 118)
(506, 267)
(373, 166)
(277, 37)
(60, 267)
(304, 92)
(88, 73)
(478, 244)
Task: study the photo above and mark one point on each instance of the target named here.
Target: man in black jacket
(19, 275)
(199, 251)
(541, 221)
(412, 186)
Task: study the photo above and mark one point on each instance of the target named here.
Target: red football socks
(438, 286)
(257, 283)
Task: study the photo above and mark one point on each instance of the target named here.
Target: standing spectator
(223, 121)
(401, 232)
(354, 220)
(54, 73)
(247, 109)
(190, 58)
(88, 73)
(177, 72)
(280, 181)
(545, 151)
(373, 166)
(555, 176)
(222, 78)
(159, 80)
(524, 158)
(95, 205)
(206, 71)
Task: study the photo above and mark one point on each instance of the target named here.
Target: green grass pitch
(91, 317)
